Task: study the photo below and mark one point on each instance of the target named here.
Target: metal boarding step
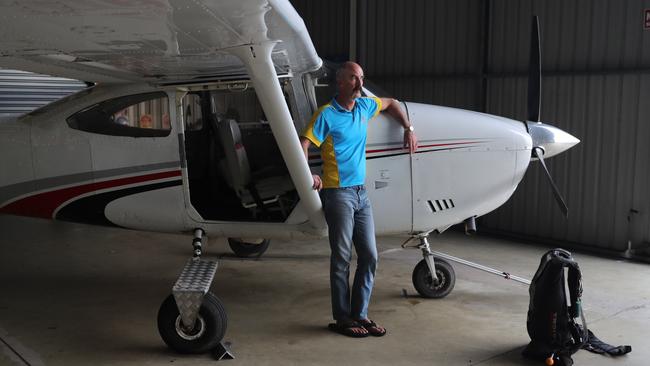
(192, 284)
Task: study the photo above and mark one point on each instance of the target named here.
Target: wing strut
(257, 59)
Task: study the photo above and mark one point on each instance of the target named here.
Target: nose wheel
(434, 287)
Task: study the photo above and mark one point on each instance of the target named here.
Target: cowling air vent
(441, 205)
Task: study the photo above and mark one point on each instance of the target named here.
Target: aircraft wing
(155, 41)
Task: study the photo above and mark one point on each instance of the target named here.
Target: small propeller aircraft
(192, 126)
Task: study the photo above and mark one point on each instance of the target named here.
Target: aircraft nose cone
(552, 139)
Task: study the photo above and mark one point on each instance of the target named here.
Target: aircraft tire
(423, 281)
(209, 330)
(243, 249)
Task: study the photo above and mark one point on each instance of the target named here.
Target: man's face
(350, 81)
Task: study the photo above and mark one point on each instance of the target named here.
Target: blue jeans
(349, 217)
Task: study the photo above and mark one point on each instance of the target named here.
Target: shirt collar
(339, 108)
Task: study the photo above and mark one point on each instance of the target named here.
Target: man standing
(339, 130)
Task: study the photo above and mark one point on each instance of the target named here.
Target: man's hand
(318, 183)
(410, 140)
(392, 107)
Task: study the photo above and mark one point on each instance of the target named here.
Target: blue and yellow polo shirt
(341, 136)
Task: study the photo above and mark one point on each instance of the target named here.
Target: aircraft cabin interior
(235, 169)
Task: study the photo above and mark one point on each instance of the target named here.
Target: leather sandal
(372, 328)
(345, 328)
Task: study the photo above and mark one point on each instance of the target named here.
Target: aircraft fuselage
(467, 165)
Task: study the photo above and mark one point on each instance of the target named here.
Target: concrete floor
(78, 295)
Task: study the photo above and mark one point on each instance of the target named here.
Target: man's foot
(372, 327)
(349, 328)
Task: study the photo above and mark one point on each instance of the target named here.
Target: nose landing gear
(433, 277)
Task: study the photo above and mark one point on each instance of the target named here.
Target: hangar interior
(76, 294)
(474, 55)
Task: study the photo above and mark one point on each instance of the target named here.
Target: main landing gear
(191, 319)
(433, 277)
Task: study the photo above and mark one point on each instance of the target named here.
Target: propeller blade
(539, 153)
(534, 73)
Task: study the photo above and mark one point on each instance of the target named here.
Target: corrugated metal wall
(328, 23)
(474, 54)
(420, 50)
(596, 59)
(22, 92)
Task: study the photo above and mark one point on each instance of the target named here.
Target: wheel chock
(222, 352)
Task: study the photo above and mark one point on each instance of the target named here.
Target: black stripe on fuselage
(19, 189)
(418, 152)
(90, 209)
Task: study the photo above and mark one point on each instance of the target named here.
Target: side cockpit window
(140, 115)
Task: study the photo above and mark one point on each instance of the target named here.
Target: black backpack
(551, 323)
(554, 332)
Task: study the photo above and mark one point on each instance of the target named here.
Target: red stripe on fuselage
(44, 204)
(314, 157)
(421, 146)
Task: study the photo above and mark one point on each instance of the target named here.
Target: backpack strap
(574, 280)
(595, 345)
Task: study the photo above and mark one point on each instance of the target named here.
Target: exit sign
(646, 17)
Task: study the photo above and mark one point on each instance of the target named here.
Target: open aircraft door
(236, 181)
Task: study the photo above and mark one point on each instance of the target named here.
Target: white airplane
(192, 126)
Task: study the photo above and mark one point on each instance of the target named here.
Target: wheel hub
(190, 334)
(436, 285)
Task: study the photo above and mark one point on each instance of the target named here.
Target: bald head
(347, 68)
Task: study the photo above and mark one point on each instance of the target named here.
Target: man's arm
(318, 184)
(391, 106)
